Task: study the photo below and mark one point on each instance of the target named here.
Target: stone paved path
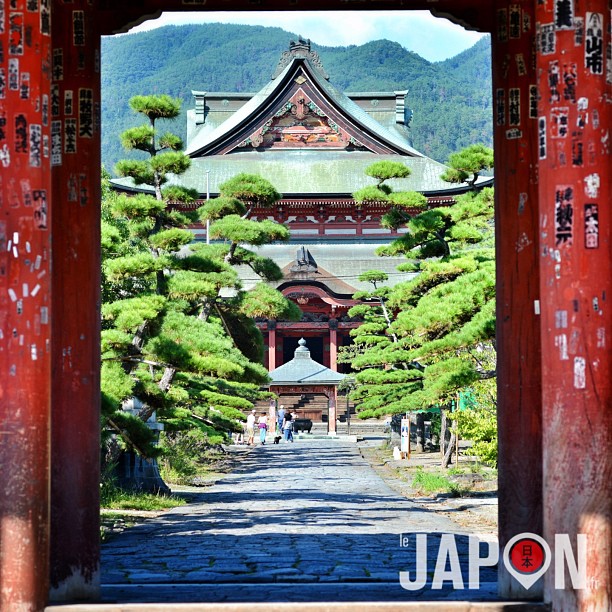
(309, 521)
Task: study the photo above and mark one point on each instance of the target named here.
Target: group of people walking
(284, 426)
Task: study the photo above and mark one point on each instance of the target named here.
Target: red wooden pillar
(575, 86)
(518, 291)
(25, 304)
(75, 163)
(333, 345)
(271, 345)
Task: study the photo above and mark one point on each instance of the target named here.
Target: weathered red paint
(76, 162)
(25, 301)
(574, 185)
(518, 323)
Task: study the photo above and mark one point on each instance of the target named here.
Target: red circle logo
(527, 556)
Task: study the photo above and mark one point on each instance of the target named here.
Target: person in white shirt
(250, 424)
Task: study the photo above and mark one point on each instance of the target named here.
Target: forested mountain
(451, 100)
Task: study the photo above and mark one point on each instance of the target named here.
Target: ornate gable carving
(300, 123)
(301, 48)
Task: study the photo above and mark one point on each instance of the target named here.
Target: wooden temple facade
(552, 91)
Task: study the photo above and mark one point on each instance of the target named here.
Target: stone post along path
(309, 521)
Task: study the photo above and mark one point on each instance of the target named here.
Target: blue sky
(431, 37)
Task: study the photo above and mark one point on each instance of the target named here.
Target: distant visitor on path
(280, 418)
(250, 425)
(288, 427)
(263, 427)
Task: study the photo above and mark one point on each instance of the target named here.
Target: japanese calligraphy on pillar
(56, 143)
(16, 34)
(500, 107)
(542, 138)
(78, 28)
(533, 101)
(13, 77)
(40, 208)
(593, 47)
(591, 226)
(514, 106)
(45, 16)
(24, 86)
(578, 31)
(35, 145)
(70, 136)
(564, 214)
(547, 39)
(559, 122)
(554, 77)
(68, 102)
(570, 77)
(577, 149)
(86, 113)
(58, 64)
(514, 19)
(55, 100)
(564, 14)
(21, 134)
(44, 109)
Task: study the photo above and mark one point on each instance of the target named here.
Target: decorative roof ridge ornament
(300, 49)
(302, 351)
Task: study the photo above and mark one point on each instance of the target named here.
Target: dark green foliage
(422, 341)
(451, 100)
(385, 170)
(156, 107)
(236, 229)
(251, 189)
(466, 165)
(404, 204)
(220, 207)
(175, 193)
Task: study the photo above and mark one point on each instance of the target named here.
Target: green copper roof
(304, 370)
(313, 172)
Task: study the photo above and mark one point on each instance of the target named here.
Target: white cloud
(433, 38)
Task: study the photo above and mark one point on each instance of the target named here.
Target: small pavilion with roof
(303, 381)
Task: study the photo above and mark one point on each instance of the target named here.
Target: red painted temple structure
(552, 90)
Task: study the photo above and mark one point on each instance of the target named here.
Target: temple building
(313, 143)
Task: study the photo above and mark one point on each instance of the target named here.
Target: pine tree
(169, 337)
(466, 165)
(424, 340)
